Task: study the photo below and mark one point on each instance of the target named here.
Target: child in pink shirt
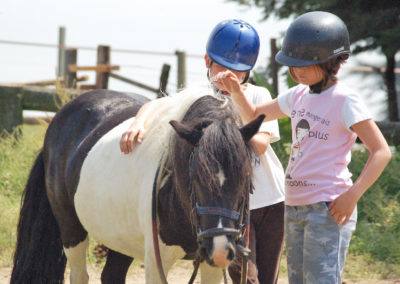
(321, 199)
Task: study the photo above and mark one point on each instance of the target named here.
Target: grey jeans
(316, 245)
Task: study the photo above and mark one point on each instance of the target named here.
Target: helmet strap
(317, 88)
(246, 79)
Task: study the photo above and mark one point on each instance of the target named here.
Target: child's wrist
(355, 193)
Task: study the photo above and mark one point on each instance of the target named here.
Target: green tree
(372, 25)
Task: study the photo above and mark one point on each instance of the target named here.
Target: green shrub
(378, 227)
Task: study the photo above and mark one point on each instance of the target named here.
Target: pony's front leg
(76, 257)
(209, 274)
(169, 255)
(150, 265)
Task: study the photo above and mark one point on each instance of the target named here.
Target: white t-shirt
(268, 172)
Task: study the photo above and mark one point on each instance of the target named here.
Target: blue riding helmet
(234, 44)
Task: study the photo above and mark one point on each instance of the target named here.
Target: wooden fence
(14, 99)
(104, 70)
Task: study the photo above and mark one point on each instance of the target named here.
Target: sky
(150, 25)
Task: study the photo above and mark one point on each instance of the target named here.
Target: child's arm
(246, 109)
(342, 208)
(260, 142)
(137, 130)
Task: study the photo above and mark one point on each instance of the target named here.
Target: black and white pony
(81, 183)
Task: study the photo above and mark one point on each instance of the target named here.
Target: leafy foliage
(376, 23)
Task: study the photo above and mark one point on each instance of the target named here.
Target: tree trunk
(390, 81)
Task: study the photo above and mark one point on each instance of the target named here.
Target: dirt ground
(179, 275)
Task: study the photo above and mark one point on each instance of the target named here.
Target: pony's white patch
(77, 261)
(221, 176)
(220, 249)
(113, 197)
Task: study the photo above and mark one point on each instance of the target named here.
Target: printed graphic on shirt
(302, 129)
(303, 132)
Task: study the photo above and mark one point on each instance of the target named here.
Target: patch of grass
(16, 159)
(364, 267)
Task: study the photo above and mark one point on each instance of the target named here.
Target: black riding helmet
(314, 38)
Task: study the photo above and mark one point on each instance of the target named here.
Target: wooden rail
(16, 98)
(97, 68)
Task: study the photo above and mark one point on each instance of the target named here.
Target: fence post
(61, 47)
(181, 69)
(274, 66)
(70, 58)
(103, 57)
(10, 108)
(164, 80)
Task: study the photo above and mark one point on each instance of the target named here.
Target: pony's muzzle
(223, 251)
(218, 250)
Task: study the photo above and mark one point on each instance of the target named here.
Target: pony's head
(218, 182)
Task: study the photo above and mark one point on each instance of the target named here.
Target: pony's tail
(39, 256)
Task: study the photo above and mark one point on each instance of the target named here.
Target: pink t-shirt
(321, 142)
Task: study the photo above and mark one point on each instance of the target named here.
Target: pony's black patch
(72, 133)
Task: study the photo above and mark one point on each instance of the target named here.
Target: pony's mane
(221, 146)
(173, 107)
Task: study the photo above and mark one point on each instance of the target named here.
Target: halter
(240, 233)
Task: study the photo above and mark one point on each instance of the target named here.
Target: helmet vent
(218, 32)
(238, 40)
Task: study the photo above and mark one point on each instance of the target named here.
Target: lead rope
(196, 264)
(155, 231)
(243, 248)
(245, 255)
(225, 277)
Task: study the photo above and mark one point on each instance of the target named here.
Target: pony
(197, 174)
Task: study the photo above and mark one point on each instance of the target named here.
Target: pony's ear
(251, 128)
(192, 135)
